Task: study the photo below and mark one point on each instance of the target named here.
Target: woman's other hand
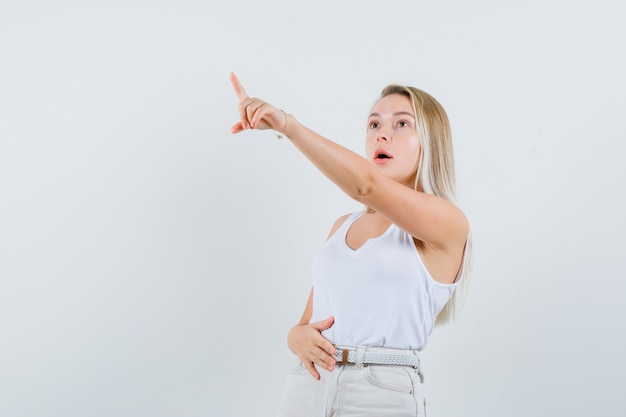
(308, 344)
(255, 113)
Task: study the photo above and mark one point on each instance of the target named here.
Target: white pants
(354, 390)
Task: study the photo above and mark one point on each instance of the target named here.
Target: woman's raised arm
(427, 217)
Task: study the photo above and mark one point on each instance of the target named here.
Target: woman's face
(392, 142)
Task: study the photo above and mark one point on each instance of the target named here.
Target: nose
(382, 138)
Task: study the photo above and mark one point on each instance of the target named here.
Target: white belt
(376, 357)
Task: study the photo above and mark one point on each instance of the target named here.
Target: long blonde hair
(435, 173)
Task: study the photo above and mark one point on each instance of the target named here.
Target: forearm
(308, 311)
(347, 169)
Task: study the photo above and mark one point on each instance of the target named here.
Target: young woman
(387, 273)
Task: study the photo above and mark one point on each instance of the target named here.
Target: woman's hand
(308, 344)
(255, 113)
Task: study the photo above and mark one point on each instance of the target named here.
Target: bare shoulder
(338, 224)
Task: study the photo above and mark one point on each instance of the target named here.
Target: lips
(382, 156)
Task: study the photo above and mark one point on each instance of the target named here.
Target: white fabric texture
(380, 294)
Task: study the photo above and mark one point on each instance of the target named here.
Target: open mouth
(382, 155)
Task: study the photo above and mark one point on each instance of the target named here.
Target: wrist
(288, 127)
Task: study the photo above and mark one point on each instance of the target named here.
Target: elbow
(362, 190)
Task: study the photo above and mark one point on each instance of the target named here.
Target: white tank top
(380, 294)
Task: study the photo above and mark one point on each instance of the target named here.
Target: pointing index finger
(241, 93)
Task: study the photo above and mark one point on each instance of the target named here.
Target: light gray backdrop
(151, 263)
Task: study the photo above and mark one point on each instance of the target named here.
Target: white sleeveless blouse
(379, 294)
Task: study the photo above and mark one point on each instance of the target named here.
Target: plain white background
(151, 263)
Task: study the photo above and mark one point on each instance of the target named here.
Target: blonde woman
(387, 273)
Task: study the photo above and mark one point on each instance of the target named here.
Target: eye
(373, 125)
(403, 123)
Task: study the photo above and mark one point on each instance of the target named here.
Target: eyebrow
(400, 113)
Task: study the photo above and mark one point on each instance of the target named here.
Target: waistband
(365, 355)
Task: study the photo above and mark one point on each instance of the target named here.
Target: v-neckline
(368, 242)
